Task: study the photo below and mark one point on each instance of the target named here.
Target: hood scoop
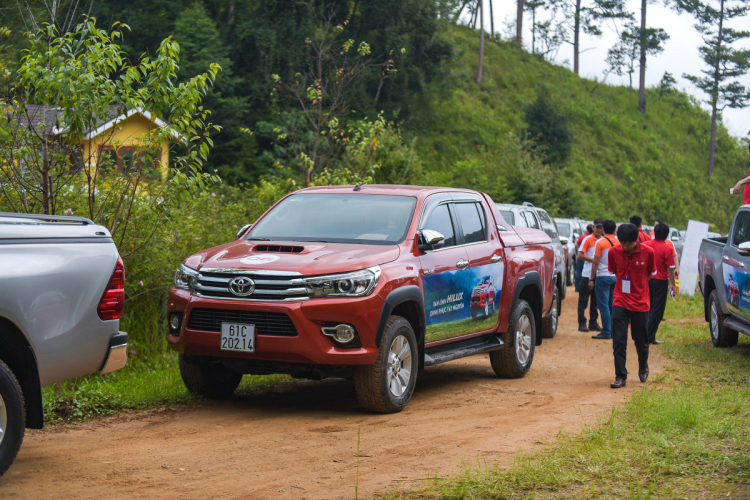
(278, 249)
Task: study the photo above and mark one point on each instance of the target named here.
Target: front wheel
(514, 359)
(387, 385)
(570, 274)
(721, 336)
(12, 417)
(210, 380)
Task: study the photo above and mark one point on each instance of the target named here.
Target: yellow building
(123, 136)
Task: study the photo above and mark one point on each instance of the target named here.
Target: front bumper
(117, 357)
(310, 346)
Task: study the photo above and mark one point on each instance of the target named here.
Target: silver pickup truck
(61, 297)
(724, 269)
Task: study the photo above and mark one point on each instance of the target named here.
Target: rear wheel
(387, 385)
(570, 274)
(12, 417)
(721, 336)
(549, 324)
(514, 359)
(210, 380)
(562, 288)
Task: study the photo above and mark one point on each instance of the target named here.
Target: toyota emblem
(242, 286)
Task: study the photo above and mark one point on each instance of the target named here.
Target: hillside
(621, 162)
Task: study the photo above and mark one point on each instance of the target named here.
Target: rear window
(508, 216)
(547, 225)
(564, 228)
(472, 222)
(337, 218)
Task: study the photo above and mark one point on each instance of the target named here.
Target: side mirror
(564, 240)
(242, 231)
(501, 228)
(675, 238)
(744, 248)
(575, 236)
(430, 240)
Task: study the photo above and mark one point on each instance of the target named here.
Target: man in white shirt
(586, 255)
(605, 280)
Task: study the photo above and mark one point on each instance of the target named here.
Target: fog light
(343, 334)
(174, 324)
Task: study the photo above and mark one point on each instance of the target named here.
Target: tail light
(113, 300)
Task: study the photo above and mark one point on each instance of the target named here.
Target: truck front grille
(275, 286)
(266, 323)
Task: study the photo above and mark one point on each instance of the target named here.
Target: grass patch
(685, 435)
(450, 329)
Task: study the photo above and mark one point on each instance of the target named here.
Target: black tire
(549, 324)
(562, 289)
(721, 336)
(12, 404)
(505, 361)
(375, 391)
(210, 380)
(570, 274)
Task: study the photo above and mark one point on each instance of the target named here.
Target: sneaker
(583, 328)
(595, 328)
(601, 336)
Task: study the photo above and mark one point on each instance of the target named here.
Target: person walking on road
(632, 263)
(586, 255)
(744, 182)
(604, 285)
(662, 281)
(637, 221)
(579, 263)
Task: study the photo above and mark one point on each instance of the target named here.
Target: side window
(531, 220)
(547, 225)
(508, 216)
(741, 229)
(472, 222)
(440, 221)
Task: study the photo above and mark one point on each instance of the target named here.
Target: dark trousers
(658, 289)
(583, 300)
(638, 321)
(579, 272)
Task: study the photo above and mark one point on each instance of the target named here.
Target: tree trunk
(481, 42)
(492, 22)
(642, 77)
(715, 94)
(576, 36)
(533, 30)
(519, 22)
(230, 15)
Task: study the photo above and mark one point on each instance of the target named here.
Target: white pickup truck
(61, 297)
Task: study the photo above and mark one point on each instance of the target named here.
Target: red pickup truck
(366, 282)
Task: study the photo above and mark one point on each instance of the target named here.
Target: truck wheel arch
(529, 288)
(710, 286)
(408, 302)
(16, 352)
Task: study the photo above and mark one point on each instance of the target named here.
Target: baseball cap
(598, 222)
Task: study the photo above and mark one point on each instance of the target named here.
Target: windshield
(564, 228)
(337, 218)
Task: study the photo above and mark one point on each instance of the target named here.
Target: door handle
(496, 258)
(462, 264)
(725, 258)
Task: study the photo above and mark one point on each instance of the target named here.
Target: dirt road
(300, 441)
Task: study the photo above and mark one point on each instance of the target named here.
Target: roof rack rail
(50, 218)
(528, 204)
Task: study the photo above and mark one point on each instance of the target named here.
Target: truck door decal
(737, 287)
(462, 301)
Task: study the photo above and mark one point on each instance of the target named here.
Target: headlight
(185, 278)
(354, 284)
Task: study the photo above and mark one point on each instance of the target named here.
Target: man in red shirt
(662, 282)
(637, 221)
(744, 182)
(632, 263)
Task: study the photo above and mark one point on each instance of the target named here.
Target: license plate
(237, 337)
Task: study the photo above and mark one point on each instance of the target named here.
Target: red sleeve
(651, 263)
(612, 263)
(669, 257)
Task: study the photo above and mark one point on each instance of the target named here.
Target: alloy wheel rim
(487, 309)
(523, 339)
(554, 314)
(3, 419)
(714, 321)
(399, 366)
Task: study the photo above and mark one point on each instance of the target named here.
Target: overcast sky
(680, 54)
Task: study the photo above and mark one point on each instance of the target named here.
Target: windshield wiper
(258, 239)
